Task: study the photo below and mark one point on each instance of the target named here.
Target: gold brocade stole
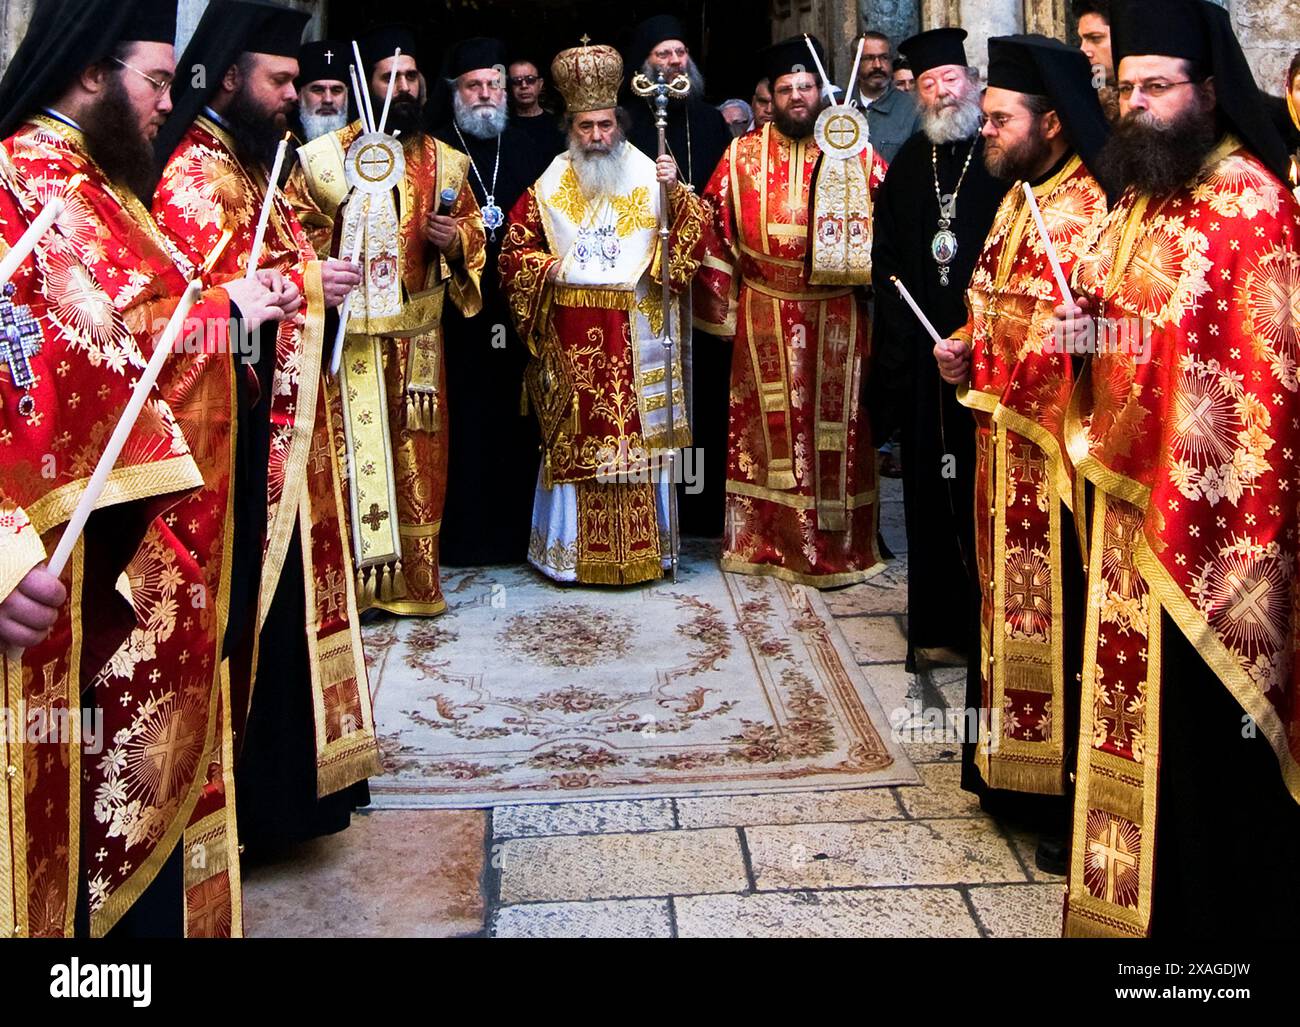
(838, 341)
(39, 864)
(382, 311)
(840, 222)
(1113, 854)
(1021, 726)
(346, 747)
(376, 542)
(1021, 483)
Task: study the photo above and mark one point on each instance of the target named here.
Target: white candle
(86, 505)
(925, 321)
(365, 93)
(345, 308)
(388, 98)
(1061, 283)
(853, 78)
(29, 239)
(361, 104)
(827, 87)
(271, 185)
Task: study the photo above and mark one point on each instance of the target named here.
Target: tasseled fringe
(366, 588)
(383, 583)
(422, 412)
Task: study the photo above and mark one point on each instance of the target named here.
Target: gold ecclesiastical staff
(661, 89)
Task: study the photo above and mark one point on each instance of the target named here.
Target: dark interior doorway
(727, 33)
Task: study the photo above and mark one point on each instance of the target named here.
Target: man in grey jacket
(891, 115)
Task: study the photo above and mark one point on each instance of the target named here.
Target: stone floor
(913, 861)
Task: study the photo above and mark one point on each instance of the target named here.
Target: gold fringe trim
(590, 296)
(633, 572)
(348, 770)
(1079, 925)
(1041, 776)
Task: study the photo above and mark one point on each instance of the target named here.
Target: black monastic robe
(906, 394)
(494, 453)
(697, 141)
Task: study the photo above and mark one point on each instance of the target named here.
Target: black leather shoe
(1052, 856)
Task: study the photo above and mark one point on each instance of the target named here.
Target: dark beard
(794, 126)
(114, 142)
(1158, 157)
(405, 115)
(257, 134)
(1021, 163)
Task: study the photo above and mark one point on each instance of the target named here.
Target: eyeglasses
(1154, 88)
(158, 87)
(876, 58)
(789, 90)
(525, 80)
(999, 121)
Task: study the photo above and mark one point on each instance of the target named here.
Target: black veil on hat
(935, 48)
(1199, 31)
(227, 29)
(65, 36)
(1038, 66)
(790, 56)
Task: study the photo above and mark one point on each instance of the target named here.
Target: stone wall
(15, 14)
(1269, 29)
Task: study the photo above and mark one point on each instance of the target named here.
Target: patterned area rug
(525, 691)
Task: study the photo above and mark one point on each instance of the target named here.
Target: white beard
(951, 124)
(599, 174)
(317, 125)
(480, 122)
